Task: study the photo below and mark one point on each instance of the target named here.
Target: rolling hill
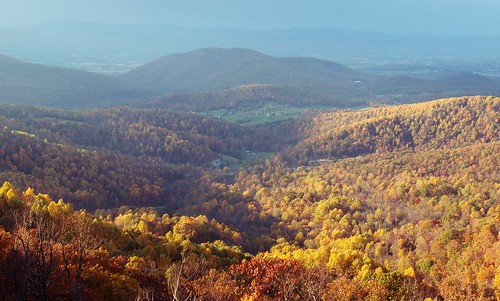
(34, 84)
(255, 95)
(406, 89)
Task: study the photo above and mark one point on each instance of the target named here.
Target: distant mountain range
(215, 78)
(26, 83)
(4, 58)
(222, 78)
(149, 41)
(214, 69)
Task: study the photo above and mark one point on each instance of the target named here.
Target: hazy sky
(458, 17)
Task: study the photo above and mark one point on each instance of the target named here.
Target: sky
(449, 17)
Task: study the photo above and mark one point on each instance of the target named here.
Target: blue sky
(459, 17)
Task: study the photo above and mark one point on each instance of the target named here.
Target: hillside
(106, 158)
(215, 78)
(253, 95)
(437, 124)
(229, 79)
(33, 84)
(406, 209)
(217, 69)
(406, 89)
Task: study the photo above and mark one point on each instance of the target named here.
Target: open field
(266, 112)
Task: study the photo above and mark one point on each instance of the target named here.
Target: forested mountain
(407, 207)
(438, 124)
(105, 158)
(217, 69)
(33, 84)
(216, 78)
(253, 95)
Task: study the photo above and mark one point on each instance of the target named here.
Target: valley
(231, 174)
(389, 197)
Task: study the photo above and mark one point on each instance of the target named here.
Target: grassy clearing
(248, 159)
(262, 113)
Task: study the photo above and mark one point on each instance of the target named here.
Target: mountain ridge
(214, 68)
(450, 123)
(36, 84)
(210, 77)
(329, 43)
(219, 78)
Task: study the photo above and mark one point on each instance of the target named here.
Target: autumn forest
(390, 203)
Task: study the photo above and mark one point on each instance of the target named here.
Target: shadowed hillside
(252, 95)
(216, 69)
(215, 78)
(106, 158)
(49, 86)
(406, 209)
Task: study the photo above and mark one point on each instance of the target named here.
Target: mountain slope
(217, 69)
(252, 95)
(4, 58)
(215, 78)
(450, 123)
(28, 83)
(107, 158)
(405, 223)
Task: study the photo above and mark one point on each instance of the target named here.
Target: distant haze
(457, 17)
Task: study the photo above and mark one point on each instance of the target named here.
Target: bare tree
(174, 275)
(36, 235)
(78, 240)
(314, 282)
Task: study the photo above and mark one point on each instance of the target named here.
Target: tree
(79, 239)
(35, 236)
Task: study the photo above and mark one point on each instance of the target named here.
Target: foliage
(398, 221)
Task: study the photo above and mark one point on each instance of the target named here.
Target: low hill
(36, 84)
(215, 78)
(253, 95)
(207, 78)
(218, 69)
